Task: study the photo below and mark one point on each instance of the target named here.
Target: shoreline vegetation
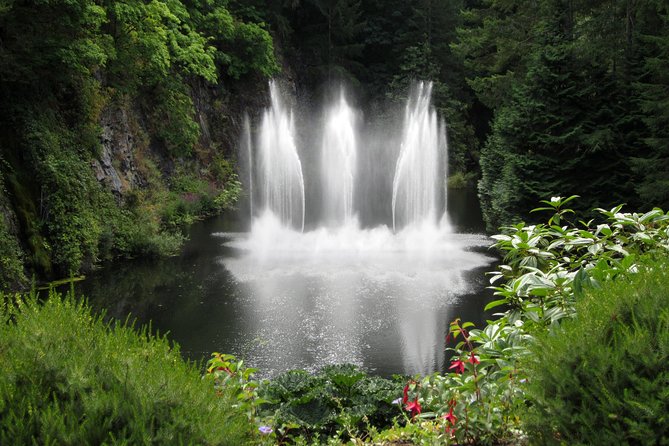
(578, 353)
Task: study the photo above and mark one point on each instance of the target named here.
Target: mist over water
(329, 292)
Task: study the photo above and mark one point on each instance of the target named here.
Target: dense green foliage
(602, 378)
(336, 404)
(548, 268)
(339, 401)
(65, 68)
(67, 377)
(570, 86)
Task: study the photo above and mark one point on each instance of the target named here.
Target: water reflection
(369, 297)
(383, 308)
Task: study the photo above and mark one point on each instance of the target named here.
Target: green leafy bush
(547, 269)
(11, 254)
(603, 377)
(66, 377)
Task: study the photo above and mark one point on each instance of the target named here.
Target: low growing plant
(339, 401)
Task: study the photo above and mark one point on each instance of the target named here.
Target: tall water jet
(246, 154)
(418, 185)
(338, 163)
(280, 169)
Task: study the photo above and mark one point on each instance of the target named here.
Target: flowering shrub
(547, 268)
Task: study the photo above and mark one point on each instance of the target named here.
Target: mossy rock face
(66, 377)
(602, 378)
(12, 262)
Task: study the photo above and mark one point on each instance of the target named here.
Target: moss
(22, 199)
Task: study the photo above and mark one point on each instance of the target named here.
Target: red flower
(458, 365)
(414, 407)
(405, 398)
(450, 417)
(473, 359)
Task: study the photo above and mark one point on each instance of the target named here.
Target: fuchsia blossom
(450, 417)
(405, 398)
(414, 407)
(458, 366)
(473, 359)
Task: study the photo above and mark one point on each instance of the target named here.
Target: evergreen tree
(560, 131)
(653, 91)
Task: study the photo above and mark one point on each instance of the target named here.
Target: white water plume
(280, 169)
(338, 163)
(418, 185)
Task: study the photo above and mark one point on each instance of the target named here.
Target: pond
(386, 310)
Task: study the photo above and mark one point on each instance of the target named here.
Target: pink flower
(458, 365)
(414, 407)
(405, 398)
(473, 359)
(450, 417)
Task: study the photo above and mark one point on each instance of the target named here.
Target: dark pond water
(385, 310)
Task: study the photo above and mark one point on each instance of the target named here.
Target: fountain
(417, 190)
(338, 164)
(279, 170)
(327, 294)
(418, 186)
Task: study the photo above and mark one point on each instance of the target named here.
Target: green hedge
(603, 377)
(67, 377)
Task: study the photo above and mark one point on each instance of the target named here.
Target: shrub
(66, 377)
(603, 377)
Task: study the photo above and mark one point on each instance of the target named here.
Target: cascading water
(418, 185)
(280, 169)
(338, 163)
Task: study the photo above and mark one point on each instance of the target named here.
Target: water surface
(381, 308)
